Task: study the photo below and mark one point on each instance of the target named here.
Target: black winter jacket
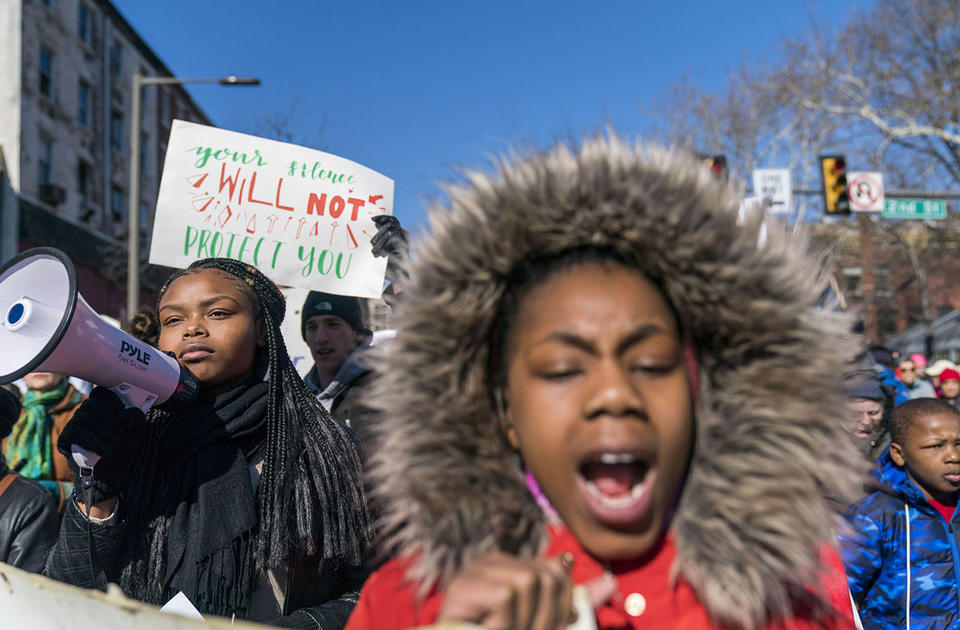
(309, 579)
(28, 522)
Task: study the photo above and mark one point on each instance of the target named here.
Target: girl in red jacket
(596, 318)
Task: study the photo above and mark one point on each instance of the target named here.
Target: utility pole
(867, 282)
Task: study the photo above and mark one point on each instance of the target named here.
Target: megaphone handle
(133, 396)
(85, 459)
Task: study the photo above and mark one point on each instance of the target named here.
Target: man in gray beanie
(333, 327)
(868, 412)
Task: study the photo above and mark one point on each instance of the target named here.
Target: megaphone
(48, 327)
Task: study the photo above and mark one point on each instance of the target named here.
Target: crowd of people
(607, 395)
(899, 548)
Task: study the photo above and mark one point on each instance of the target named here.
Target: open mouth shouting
(617, 487)
(598, 404)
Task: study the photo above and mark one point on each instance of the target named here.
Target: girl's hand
(499, 591)
(105, 427)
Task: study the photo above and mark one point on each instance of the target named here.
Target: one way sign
(773, 184)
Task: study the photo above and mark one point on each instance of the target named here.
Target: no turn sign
(865, 189)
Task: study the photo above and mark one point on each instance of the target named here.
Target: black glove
(103, 425)
(391, 239)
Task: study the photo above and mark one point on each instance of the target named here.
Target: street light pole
(133, 218)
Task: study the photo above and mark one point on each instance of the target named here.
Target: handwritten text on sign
(299, 215)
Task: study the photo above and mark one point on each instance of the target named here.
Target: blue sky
(417, 89)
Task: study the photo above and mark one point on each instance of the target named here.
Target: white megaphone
(48, 327)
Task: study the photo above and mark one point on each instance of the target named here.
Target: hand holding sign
(392, 241)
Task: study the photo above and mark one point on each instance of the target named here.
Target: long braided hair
(311, 462)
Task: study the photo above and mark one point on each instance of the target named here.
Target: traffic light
(716, 163)
(835, 196)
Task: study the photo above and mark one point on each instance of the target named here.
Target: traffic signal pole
(916, 194)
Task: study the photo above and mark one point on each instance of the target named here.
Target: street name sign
(915, 209)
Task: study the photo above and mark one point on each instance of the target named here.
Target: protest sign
(297, 348)
(33, 601)
(301, 216)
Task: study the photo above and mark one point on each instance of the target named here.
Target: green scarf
(29, 449)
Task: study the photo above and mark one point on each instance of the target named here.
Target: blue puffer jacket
(880, 572)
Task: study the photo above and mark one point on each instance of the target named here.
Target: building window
(144, 147)
(83, 180)
(163, 101)
(83, 103)
(116, 59)
(47, 3)
(46, 72)
(882, 284)
(45, 162)
(84, 28)
(116, 204)
(116, 131)
(144, 227)
(144, 221)
(852, 285)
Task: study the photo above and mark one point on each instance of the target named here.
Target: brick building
(873, 267)
(66, 71)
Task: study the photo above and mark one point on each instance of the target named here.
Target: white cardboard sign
(865, 189)
(297, 348)
(774, 184)
(301, 216)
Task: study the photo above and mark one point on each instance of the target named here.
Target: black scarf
(201, 506)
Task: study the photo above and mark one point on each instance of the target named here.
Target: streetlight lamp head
(235, 80)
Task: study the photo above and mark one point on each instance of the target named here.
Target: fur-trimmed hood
(769, 445)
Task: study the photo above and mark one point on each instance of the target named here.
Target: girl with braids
(248, 500)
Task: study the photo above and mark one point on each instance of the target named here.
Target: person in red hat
(950, 386)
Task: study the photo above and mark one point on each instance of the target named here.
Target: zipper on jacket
(956, 556)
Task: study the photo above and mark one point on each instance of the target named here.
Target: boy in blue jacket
(901, 551)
